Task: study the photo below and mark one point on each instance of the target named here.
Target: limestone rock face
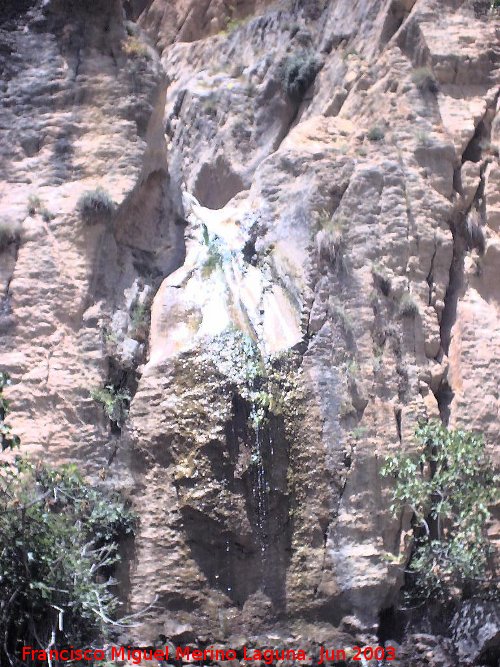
(301, 258)
(475, 630)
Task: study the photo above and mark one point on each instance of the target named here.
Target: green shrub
(10, 232)
(298, 73)
(59, 540)
(58, 548)
(139, 321)
(376, 134)
(115, 402)
(423, 78)
(448, 484)
(7, 438)
(95, 204)
(408, 307)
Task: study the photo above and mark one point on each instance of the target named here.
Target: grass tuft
(10, 232)
(376, 134)
(95, 204)
(134, 48)
(408, 307)
(424, 79)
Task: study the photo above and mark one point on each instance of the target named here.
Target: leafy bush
(95, 204)
(448, 484)
(115, 402)
(7, 438)
(58, 546)
(408, 307)
(9, 233)
(298, 73)
(423, 78)
(376, 134)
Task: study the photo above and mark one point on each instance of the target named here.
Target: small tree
(448, 485)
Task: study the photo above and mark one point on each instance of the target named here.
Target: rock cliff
(302, 260)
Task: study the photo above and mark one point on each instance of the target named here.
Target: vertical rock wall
(344, 287)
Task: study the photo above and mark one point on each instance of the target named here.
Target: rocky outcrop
(328, 277)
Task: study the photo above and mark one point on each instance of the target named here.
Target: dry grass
(134, 48)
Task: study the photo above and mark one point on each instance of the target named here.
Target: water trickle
(261, 489)
(249, 320)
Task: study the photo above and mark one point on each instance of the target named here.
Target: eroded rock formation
(336, 279)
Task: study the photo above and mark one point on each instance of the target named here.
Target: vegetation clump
(133, 47)
(408, 307)
(95, 204)
(58, 547)
(298, 73)
(214, 258)
(423, 78)
(330, 239)
(115, 402)
(9, 233)
(36, 205)
(232, 24)
(376, 134)
(7, 438)
(475, 232)
(59, 544)
(139, 321)
(381, 279)
(448, 484)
